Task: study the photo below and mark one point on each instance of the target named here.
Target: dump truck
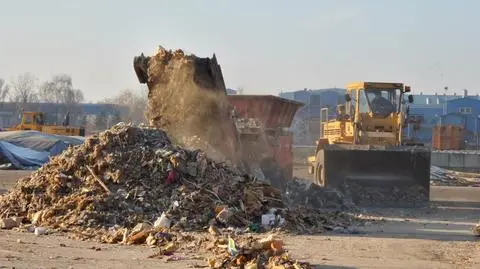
(35, 121)
(262, 125)
(361, 152)
(187, 97)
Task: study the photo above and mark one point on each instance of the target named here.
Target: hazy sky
(262, 46)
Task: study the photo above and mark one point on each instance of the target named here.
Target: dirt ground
(435, 237)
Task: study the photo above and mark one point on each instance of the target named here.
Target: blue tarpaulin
(32, 149)
(21, 157)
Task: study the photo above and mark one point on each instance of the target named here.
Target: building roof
(375, 85)
(439, 99)
(312, 91)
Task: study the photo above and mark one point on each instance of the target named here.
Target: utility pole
(476, 134)
(444, 114)
(445, 101)
(309, 135)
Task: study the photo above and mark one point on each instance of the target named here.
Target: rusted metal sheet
(284, 154)
(448, 137)
(273, 111)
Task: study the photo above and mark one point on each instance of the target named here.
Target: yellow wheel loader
(361, 152)
(36, 121)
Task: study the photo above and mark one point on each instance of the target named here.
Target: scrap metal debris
(132, 185)
(444, 177)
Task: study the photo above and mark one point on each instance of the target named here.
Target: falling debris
(187, 97)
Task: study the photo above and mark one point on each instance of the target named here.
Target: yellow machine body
(35, 121)
(362, 148)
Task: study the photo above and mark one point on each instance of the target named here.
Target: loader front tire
(319, 170)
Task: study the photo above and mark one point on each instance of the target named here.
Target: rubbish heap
(476, 230)
(370, 195)
(133, 185)
(195, 142)
(304, 192)
(128, 175)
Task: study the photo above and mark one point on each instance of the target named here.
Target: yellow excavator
(361, 151)
(36, 121)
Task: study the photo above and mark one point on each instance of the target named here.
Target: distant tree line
(135, 101)
(26, 88)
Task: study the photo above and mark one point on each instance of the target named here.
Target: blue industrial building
(314, 100)
(306, 124)
(436, 109)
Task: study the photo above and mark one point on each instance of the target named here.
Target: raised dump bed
(275, 114)
(273, 111)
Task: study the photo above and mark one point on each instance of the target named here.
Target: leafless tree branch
(23, 89)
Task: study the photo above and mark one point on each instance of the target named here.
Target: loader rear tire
(319, 170)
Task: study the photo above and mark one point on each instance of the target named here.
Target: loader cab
(31, 121)
(379, 100)
(376, 108)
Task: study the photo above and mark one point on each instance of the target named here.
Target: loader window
(382, 102)
(28, 119)
(363, 103)
(39, 119)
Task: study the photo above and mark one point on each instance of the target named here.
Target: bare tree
(60, 90)
(23, 89)
(101, 121)
(136, 102)
(4, 90)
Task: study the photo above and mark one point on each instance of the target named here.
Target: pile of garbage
(444, 177)
(398, 196)
(127, 175)
(305, 193)
(476, 230)
(195, 142)
(267, 252)
(133, 185)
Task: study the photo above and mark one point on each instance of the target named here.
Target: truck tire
(319, 169)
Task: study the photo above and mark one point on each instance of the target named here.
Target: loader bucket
(378, 176)
(140, 65)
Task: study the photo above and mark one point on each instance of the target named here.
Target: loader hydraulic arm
(356, 121)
